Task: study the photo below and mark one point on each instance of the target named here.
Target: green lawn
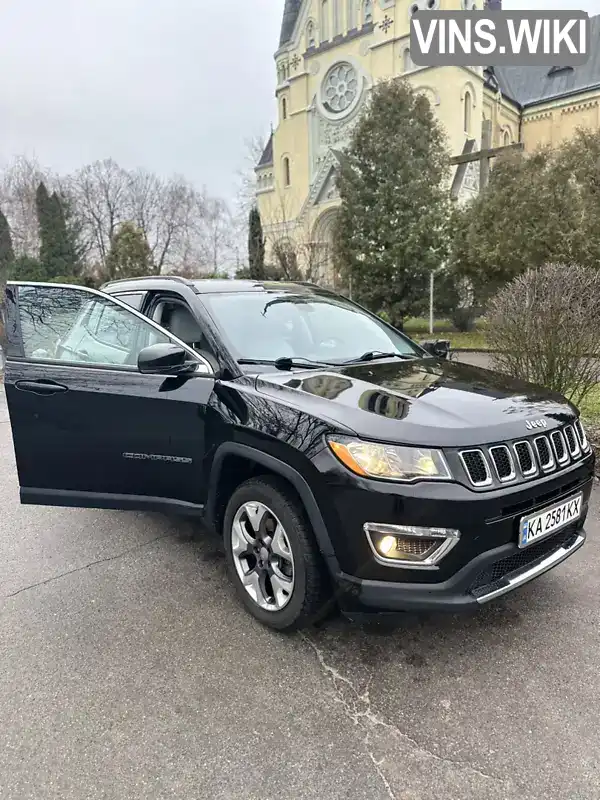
(590, 407)
(418, 328)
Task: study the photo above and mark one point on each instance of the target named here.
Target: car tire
(297, 591)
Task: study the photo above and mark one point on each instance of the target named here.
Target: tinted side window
(115, 328)
(75, 326)
(133, 299)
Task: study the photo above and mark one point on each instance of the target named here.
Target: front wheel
(272, 557)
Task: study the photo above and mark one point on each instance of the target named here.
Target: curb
(596, 449)
(493, 352)
(473, 350)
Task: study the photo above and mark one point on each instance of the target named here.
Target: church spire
(291, 11)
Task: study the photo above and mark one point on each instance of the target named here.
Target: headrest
(183, 325)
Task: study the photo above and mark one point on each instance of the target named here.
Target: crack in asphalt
(381, 773)
(371, 720)
(91, 564)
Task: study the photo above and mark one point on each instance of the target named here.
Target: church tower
(330, 54)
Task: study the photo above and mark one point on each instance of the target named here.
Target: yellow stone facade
(332, 52)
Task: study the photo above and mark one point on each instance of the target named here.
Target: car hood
(424, 401)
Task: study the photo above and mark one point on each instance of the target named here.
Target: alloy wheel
(262, 556)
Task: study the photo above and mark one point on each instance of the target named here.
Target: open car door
(89, 429)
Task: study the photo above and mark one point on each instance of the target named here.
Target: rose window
(340, 88)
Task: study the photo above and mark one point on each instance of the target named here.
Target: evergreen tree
(58, 256)
(256, 246)
(7, 253)
(130, 255)
(393, 221)
(27, 268)
(75, 237)
(540, 208)
(7, 257)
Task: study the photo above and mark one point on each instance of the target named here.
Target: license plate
(537, 527)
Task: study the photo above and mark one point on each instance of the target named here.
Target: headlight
(391, 462)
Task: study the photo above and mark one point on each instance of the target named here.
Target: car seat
(184, 326)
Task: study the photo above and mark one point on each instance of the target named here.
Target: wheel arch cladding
(235, 463)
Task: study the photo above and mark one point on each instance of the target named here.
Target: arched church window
(337, 18)
(284, 108)
(350, 15)
(468, 111)
(311, 39)
(287, 177)
(407, 61)
(324, 20)
(367, 12)
(507, 138)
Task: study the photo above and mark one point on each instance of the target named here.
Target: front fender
(274, 465)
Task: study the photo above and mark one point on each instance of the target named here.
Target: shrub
(384, 316)
(545, 326)
(463, 318)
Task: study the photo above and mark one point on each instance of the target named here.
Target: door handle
(40, 387)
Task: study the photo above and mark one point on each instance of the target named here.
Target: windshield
(265, 327)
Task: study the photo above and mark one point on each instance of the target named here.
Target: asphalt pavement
(128, 670)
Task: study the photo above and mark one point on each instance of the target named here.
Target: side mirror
(439, 348)
(163, 359)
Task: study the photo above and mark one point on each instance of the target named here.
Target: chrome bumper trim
(543, 566)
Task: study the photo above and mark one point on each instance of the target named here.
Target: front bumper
(485, 578)
(485, 564)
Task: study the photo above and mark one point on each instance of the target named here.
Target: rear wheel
(272, 556)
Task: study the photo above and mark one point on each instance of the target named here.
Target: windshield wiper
(372, 355)
(286, 363)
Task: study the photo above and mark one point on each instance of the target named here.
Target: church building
(330, 54)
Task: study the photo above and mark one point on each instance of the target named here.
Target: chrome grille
(503, 463)
(476, 466)
(581, 436)
(572, 440)
(560, 447)
(544, 453)
(525, 459)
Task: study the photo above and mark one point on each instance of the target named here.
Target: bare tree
(245, 197)
(170, 215)
(169, 212)
(101, 196)
(246, 177)
(216, 241)
(292, 249)
(545, 328)
(18, 186)
(185, 228)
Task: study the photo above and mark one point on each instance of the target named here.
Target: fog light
(410, 546)
(386, 545)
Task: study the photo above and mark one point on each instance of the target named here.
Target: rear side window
(133, 299)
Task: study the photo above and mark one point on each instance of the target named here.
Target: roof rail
(177, 278)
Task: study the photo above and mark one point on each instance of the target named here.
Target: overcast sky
(171, 85)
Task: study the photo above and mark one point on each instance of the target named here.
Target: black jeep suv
(339, 460)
